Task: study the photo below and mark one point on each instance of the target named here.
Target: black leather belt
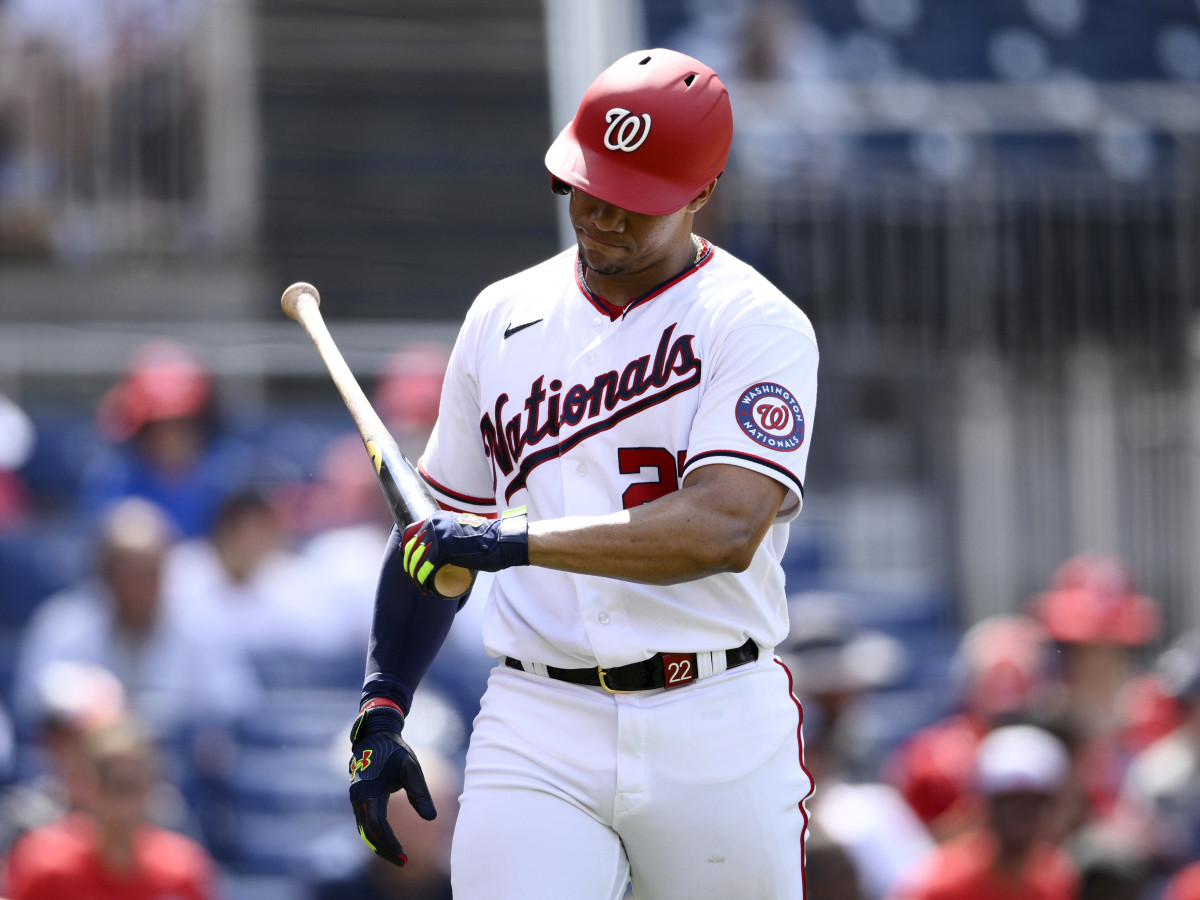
(662, 670)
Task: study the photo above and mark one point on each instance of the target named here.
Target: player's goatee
(608, 270)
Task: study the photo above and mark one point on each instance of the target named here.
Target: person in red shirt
(1089, 623)
(109, 851)
(1003, 673)
(1019, 770)
(1098, 620)
(1185, 885)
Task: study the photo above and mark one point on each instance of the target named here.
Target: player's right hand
(465, 540)
(381, 763)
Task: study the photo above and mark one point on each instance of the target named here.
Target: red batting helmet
(652, 130)
(1093, 600)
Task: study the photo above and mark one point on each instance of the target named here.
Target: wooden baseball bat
(406, 494)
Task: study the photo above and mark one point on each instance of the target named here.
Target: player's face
(615, 241)
(630, 248)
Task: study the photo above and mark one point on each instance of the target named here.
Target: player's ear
(700, 199)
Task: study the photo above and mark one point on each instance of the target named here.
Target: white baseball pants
(692, 793)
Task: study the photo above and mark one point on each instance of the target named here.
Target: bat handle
(453, 581)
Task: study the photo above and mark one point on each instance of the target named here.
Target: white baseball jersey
(557, 401)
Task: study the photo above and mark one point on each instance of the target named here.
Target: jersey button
(582, 470)
(603, 619)
(591, 357)
(597, 324)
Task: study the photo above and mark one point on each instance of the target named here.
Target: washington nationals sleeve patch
(770, 415)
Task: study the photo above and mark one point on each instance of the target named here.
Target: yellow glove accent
(410, 564)
(363, 835)
(423, 572)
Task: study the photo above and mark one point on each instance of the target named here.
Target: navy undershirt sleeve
(407, 630)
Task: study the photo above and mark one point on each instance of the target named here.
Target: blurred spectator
(17, 437)
(1019, 770)
(1185, 885)
(855, 822)
(1147, 712)
(772, 44)
(105, 108)
(1111, 867)
(8, 748)
(243, 587)
(110, 851)
(118, 619)
(764, 41)
(1002, 671)
(161, 421)
(834, 664)
(73, 699)
(345, 492)
(829, 871)
(1160, 800)
(1098, 619)
(352, 522)
(427, 875)
(408, 394)
(37, 80)
(155, 95)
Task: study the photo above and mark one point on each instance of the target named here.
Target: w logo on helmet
(626, 131)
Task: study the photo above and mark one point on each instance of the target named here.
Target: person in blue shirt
(164, 445)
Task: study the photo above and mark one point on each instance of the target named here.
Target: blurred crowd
(1067, 767)
(100, 125)
(174, 719)
(201, 672)
(158, 703)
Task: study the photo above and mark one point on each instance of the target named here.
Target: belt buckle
(604, 684)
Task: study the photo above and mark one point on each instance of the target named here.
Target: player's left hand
(463, 539)
(381, 763)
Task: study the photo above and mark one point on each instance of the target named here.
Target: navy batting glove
(381, 764)
(463, 539)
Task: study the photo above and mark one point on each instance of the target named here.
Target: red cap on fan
(1093, 600)
(411, 386)
(651, 131)
(1004, 663)
(164, 380)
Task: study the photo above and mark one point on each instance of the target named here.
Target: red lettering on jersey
(632, 460)
(640, 384)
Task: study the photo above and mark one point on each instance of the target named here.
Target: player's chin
(601, 263)
(609, 271)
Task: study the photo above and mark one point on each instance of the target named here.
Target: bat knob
(294, 294)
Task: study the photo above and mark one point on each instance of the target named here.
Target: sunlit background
(990, 210)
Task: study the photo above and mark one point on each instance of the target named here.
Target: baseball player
(622, 438)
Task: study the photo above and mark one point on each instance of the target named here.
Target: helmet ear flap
(559, 186)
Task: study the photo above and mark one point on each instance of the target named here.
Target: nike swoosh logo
(513, 329)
